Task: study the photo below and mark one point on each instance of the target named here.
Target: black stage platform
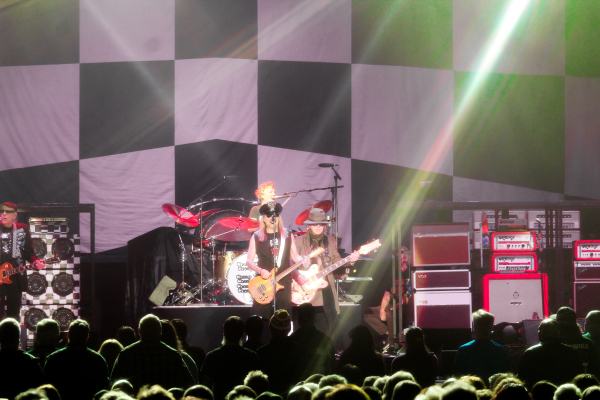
(205, 324)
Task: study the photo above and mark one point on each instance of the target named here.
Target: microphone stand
(199, 202)
(273, 272)
(334, 198)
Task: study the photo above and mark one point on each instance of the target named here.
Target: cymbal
(241, 222)
(324, 205)
(183, 216)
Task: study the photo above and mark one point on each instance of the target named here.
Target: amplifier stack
(586, 269)
(441, 282)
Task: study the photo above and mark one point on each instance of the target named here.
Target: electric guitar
(6, 270)
(306, 293)
(261, 289)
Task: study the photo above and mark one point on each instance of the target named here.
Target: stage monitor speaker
(441, 244)
(515, 297)
(443, 309)
(586, 296)
(448, 279)
(161, 292)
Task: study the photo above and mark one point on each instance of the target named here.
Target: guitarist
(262, 244)
(16, 246)
(313, 238)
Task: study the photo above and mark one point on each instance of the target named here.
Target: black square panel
(208, 28)
(376, 190)
(51, 183)
(126, 107)
(200, 167)
(39, 32)
(305, 106)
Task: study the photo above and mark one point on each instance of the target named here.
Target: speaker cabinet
(454, 279)
(443, 309)
(586, 296)
(515, 297)
(441, 244)
(586, 270)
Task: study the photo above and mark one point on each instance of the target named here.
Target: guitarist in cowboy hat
(313, 238)
(16, 246)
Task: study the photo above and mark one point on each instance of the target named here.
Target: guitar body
(261, 289)
(306, 293)
(3, 269)
(6, 270)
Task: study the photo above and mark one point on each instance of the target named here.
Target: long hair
(415, 342)
(262, 235)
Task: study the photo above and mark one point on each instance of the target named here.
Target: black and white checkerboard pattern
(133, 104)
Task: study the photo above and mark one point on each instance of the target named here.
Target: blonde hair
(262, 233)
(262, 188)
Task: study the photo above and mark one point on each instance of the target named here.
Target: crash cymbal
(241, 222)
(324, 205)
(180, 215)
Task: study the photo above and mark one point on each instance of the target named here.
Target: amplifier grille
(450, 316)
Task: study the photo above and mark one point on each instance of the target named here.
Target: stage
(205, 323)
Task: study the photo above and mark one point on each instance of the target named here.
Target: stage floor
(205, 323)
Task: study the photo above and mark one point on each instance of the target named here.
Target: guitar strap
(326, 246)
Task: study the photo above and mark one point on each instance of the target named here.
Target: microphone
(230, 177)
(328, 165)
(280, 197)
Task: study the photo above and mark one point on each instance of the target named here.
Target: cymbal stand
(196, 203)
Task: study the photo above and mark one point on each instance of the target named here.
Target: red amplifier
(515, 297)
(586, 250)
(514, 262)
(513, 241)
(586, 270)
(448, 279)
(441, 244)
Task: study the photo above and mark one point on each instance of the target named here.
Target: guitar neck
(293, 267)
(332, 268)
(15, 270)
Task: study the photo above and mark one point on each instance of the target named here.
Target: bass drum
(238, 276)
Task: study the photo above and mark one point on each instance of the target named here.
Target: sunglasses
(7, 211)
(322, 225)
(271, 214)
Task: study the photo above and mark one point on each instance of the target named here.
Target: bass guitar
(261, 289)
(6, 270)
(306, 293)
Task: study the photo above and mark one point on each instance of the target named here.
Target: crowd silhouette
(299, 365)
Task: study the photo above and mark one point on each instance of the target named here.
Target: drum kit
(223, 237)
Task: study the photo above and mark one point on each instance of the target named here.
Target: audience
(257, 381)
(47, 335)
(406, 390)
(458, 390)
(543, 390)
(512, 391)
(347, 392)
(352, 374)
(591, 393)
(227, 366)
(154, 392)
(77, 371)
(19, 371)
(332, 380)
(417, 359)
(550, 360)
(110, 350)
(584, 381)
(151, 362)
(49, 391)
(361, 353)
(196, 352)
(300, 392)
(567, 391)
(320, 346)
(282, 359)
(254, 327)
(169, 337)
(126, 336)
(241, 391)
(570, 334)
(592, 327)
(199, 392)
(481, 357)
(390, 384)
(124, 386)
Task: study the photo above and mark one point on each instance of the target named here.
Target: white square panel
(582, 137)
(403, 116)
(305, 30)
(39, 115)
(128, 191)
(216, 98)
(132, 30)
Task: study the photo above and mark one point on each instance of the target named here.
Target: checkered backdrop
(132, 104)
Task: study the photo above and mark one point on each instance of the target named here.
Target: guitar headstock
(369, 247)
(53, 260)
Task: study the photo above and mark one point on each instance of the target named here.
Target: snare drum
(238, 276)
